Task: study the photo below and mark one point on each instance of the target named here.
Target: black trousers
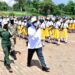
(39, 54)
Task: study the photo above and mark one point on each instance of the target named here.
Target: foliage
(44, 7)
(3, 6)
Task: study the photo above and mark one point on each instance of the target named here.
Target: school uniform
(47, 28)
(71, 22)
(74, 24)
(42, 26)
(56, 30)
(50, 28)
(19, 28)
(64, 31)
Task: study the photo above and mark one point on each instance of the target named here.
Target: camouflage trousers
(13, 42)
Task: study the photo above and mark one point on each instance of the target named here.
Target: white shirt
(50, 23)
(67, 21)
(71, 21)
(34, 38)
(64, 25)
(1, 20)
(42, 25)
(19, 22)
(74, 21)
(57, 24)
(47, 24)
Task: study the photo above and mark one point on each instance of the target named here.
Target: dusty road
(60, 59)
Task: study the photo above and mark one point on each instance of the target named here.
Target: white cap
(33, 19)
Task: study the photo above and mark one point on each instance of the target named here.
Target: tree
(43, 6)
(3, 6)
(20, 4)
(61, 6)
(16, 7)
(70, 8)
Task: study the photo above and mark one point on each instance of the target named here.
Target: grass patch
(15, 13)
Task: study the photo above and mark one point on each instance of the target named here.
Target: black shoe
(15, 58)
(65, 42)
(46, 69)
(9, 68)
(28, 65)
(4, 63)
(13, 54)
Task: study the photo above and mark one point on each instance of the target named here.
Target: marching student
(50, 29)
(19, 29)
(64, 32)
(74, 24)
(73, 27)
(47, 29)
(56, 32)
(42, 26)
(24, 33)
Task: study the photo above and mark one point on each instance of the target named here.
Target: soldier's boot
(13, 54)
(9, 68)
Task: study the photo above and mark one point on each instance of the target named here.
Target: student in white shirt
(64, 32)
(50, 29)
(47, 29)
(56, 32)
(42, 26)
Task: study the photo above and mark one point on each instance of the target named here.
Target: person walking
(6, 45)
(12, 28)
(35, 44)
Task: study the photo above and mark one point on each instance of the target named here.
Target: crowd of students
(52, 27)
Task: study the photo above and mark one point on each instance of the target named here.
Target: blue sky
(11, 2)
(62, 1)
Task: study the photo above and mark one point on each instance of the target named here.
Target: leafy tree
(3, 6)
(20, 4)
(70, 8)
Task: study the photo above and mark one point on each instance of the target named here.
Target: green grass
(15, 13)
(18, 13)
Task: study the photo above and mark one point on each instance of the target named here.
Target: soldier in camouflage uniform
(13, 31)
(6, 45)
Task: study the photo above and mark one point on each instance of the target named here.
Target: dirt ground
(60, 59)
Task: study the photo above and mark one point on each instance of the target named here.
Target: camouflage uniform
(6, 45)
(13, 31)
